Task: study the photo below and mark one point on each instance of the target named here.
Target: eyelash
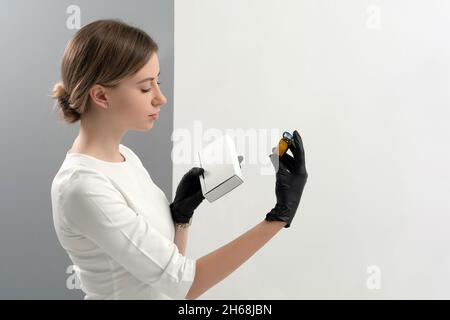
(148, 90)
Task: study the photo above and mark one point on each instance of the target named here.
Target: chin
(149, 127)
(143, 129)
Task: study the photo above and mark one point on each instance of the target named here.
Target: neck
(98, 138)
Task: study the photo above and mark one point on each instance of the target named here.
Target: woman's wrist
(181, 225)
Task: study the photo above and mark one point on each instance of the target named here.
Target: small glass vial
(284, 143)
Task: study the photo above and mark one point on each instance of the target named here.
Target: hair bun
(60, 93)
(68, 112)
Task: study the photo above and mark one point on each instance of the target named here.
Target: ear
(98, 96)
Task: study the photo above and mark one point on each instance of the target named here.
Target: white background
(366, 85)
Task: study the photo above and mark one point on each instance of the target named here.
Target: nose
(159, 99)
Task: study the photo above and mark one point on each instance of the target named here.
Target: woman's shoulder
(81, 172)
(132, 156)
(77, 175)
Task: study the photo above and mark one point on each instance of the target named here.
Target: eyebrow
(147, 79)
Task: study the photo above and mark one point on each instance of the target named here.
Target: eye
(148, 90)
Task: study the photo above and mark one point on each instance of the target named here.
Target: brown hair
(102, 52)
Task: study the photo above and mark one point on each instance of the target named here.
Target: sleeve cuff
(177, 279)
(186, 281)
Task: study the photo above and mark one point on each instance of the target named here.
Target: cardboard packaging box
(222, 168)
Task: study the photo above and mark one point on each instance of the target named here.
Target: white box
(222, 168)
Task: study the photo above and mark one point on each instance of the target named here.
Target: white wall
(366, 85)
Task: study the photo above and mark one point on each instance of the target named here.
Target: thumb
(277, 164)
(196, 171)
(194, 200)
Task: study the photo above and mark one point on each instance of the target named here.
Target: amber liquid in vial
(284, 143)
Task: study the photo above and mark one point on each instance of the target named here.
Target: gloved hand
(291, 178)
(188, 196)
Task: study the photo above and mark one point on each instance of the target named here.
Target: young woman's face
(137, 97)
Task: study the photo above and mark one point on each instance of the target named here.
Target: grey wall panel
(33, 35)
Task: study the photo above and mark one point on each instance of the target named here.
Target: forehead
(150, 69)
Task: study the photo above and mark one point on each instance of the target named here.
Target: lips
(154, 116)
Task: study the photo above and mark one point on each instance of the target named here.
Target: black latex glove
(291, 178)
(188, 196)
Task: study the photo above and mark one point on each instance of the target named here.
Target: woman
(117, 226)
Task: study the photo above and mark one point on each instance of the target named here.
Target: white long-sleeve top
(116, 226)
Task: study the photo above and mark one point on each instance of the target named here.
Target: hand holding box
(222, 170)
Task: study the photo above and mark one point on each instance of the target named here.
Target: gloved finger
(193, 200)
(277, 164)
(196, 171)
(288, 161)
(297, 150)
(189, 182)
(192, 174)
(199, 195)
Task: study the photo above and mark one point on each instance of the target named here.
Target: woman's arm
(180, 239)
(217, 265)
